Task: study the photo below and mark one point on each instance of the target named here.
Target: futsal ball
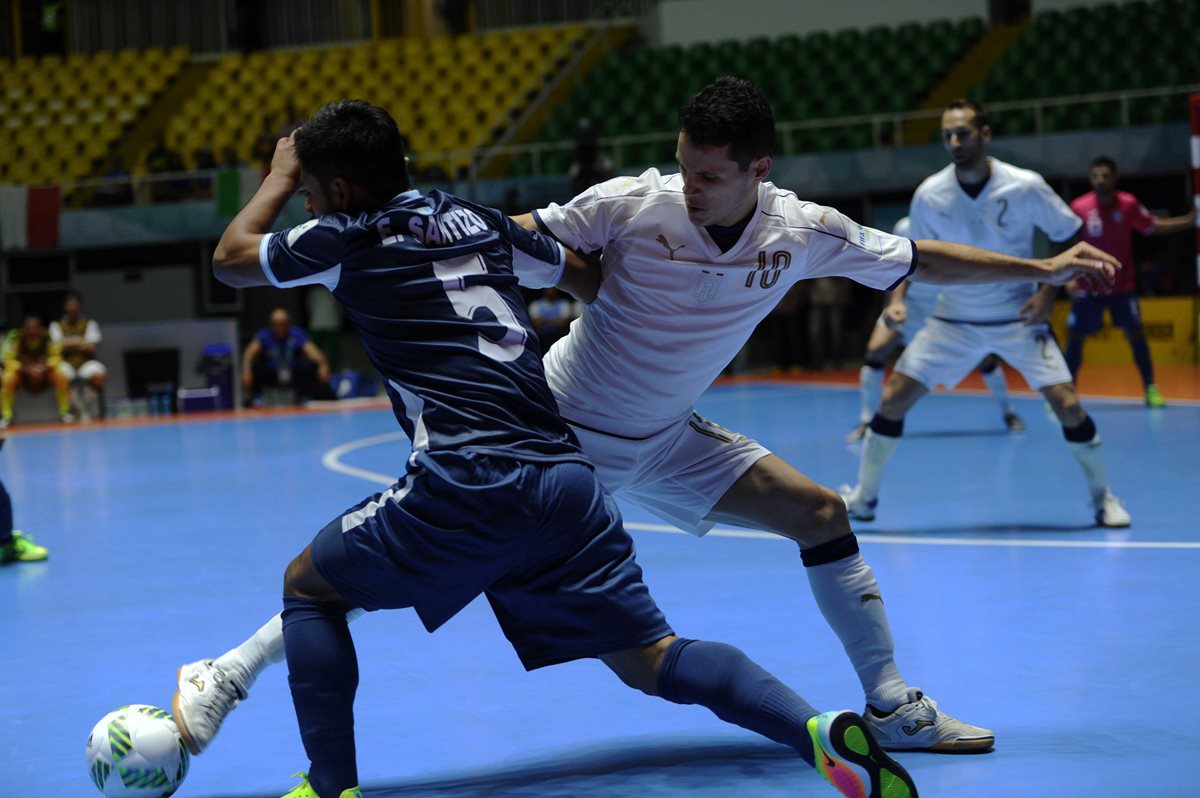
(137, 752)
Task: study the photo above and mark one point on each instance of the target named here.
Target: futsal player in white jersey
(691, 263)
(904, 314)
(986, 202)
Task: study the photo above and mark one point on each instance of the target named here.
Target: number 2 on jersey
(467, 299)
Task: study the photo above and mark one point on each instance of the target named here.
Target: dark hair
(356, 141)
(33, 313)
(1103, 160)
(73, 293)
(731, 111)
(959, 103)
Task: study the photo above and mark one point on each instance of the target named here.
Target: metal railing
(892, 123)
(161, 188)
(526, 13)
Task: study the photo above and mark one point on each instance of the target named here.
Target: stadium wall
(687, 22)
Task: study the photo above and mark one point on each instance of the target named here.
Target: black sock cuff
(666, 673)
(832, 551)
(874, 364)
(1081, 434)
(885, 426)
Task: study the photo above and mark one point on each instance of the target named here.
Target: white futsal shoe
(920, 726)
(205, 696)
(1110, 512)
(858, 508)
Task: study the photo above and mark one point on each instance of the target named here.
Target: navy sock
(887, 427)
(5, 517)
(323, 675)
(1081, 434)
(1141, 356)
(737, 690)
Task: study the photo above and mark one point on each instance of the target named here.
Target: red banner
(41, 220)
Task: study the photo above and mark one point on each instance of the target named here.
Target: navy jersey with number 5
(428, 282)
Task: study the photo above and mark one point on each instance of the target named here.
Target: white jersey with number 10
(673, 309)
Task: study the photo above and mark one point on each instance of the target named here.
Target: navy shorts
(1087, 312)
(543, 541)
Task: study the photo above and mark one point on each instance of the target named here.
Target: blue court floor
(1077, 645)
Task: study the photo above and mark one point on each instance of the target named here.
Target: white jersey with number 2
(1002, 218)
(673, 310)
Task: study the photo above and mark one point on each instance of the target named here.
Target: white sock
(1091, 457)
(850, 600)
(265, 647)
(876, 451)
(870, 389)
(996, 383)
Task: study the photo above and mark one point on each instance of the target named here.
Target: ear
(985, 133)
(339, 194)
(761, 167)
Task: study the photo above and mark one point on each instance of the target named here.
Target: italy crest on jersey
(706, 285)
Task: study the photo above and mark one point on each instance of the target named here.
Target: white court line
(332, 460)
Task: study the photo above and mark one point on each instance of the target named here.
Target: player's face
(316, 201)
(32, 329)
(965, 142)
(72, 308)
(1103, 180)
(279, 324)
(715, 188)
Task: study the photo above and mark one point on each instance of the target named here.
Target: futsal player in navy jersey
(497, 497)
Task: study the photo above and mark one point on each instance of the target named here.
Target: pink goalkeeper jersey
(1110, 227)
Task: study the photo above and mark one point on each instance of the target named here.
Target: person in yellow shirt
(32, 358)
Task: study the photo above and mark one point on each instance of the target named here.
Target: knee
(829, 518)
(640, 668)
(300, 578)
(293, 577)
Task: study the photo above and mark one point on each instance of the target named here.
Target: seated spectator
(203, 159)
(230, 159)
(79, 338)
(162, 160)
(264, 145)
(117, 188)
(31, 359)
(589, 165)
(551, 315)
(283, 356)
(291, 121)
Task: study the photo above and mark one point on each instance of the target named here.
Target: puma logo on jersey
(662, 239)
(198, 683)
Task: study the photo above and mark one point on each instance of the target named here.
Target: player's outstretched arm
(235, 260)
(944, 263)
(1165, 225)
(581, 277)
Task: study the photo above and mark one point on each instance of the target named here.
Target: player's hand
(894, 315)
(1083, 262)
(285, 163)
(1037, 308)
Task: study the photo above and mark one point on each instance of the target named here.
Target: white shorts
(90, 369)
(677, 474)
(944, 352)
